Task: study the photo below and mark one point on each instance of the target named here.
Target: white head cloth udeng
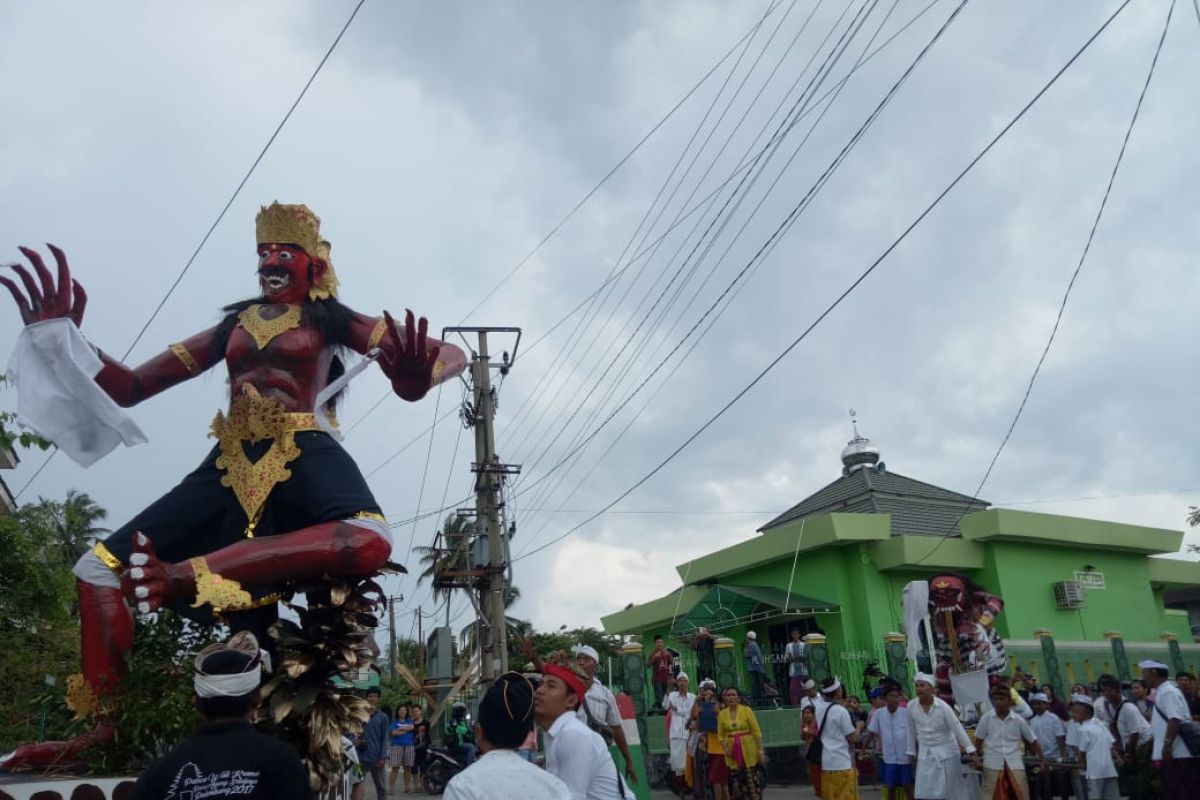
(230, 685)
(586, 650)
(1082, 699)
(833, 687)
(1038, 697)
(924, 677)
(1152, 664)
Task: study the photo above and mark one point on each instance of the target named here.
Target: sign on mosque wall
(1090, 579)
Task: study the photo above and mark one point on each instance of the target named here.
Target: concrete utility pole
(492, 631)
(489, 478)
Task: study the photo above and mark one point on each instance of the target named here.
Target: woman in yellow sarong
(742, 740)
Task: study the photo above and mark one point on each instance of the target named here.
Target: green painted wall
(848, 560)
(1023, 575)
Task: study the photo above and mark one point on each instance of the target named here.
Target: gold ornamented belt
(253, 419)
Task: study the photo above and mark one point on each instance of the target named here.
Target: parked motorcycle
(440, 766)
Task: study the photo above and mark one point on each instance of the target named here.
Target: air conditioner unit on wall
(1069, 594)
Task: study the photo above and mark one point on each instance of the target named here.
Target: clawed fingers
(63, 297)
(22, 303)
(35, 295)
(39, 266)
(410, 333)
(79, 303)
(394, 333)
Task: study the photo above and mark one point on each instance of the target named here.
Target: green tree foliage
(9, 439)
(546, 642)
(39, 636)
(39, 633)
(453, 553)
(156, 709)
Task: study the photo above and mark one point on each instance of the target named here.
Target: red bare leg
(337, 549)
(107, 635)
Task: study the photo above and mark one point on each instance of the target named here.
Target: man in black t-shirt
(227, 757)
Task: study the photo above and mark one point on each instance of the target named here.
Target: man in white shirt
(1072, 739)
(1122, 717)
(602, 707)
(999, 734)
(809, 698)
(797, 667)
(1096, 748)
(839, 780)
(679, 703)
(1180, 769)
(1132, 731)
(505, 719)
(935, 740)
(575, 754)
(1051, 734)
(889, 726)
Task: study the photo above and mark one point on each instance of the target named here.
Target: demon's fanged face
(947, 594)
(286, 272)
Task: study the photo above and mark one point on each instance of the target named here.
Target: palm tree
(75, 525)
(455, 553)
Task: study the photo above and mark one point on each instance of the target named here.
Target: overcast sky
(442, 141)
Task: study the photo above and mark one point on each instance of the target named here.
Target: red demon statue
(277, 501)
(964, 637)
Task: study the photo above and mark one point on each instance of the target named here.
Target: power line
(594, 383)
(414, 440)
(657, 370)
(1062, 306)
(767, 247)
(748, 164)
(692, 512)
(850, 289)
(613, 171)
(654, 129)
(579, 333)
(220, 216)
(723, 219)
(425, 472)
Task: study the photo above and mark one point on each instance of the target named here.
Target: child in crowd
(808, 732)
(889, 728)
(999, 735)
(1098, 754)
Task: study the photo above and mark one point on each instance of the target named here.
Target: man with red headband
(277, 501)
(575, 754)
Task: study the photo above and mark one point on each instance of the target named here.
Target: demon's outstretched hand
(47, 302)
(406, 358)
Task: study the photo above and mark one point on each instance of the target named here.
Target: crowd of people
(1105, 741)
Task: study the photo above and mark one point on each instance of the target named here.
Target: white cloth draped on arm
(54, 369)
(916, 608)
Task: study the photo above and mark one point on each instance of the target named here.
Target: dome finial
(859, 451)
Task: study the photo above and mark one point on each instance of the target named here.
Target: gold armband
(221, 593)
(377, 334)
(107, 558)
(185, 357)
